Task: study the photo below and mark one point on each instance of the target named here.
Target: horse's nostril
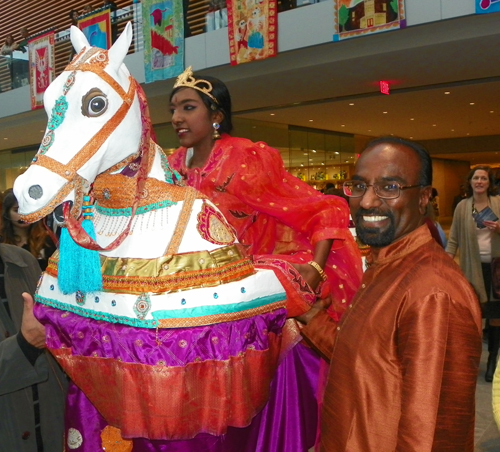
(35, 192)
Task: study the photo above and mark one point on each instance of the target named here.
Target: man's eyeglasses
(384, 190)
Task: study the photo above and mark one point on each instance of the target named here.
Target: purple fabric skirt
(287, 423)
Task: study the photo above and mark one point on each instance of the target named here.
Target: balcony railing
(203, 16)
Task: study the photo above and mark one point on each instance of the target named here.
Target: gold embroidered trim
(170, 274)
(182, 222)
(219, 318)
(115, 191)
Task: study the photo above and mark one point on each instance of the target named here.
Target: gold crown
(186, 79)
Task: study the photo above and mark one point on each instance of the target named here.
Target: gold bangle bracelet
(318, 269)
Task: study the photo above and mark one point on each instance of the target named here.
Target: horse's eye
(94, 103)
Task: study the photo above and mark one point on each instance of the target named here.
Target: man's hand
(32, 330)
(320, 305)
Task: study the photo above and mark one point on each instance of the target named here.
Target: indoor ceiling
(444, 80)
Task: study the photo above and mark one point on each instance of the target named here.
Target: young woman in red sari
(288, 226)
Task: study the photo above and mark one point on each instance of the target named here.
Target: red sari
(279, 217)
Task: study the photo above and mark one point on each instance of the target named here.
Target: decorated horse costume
(178, 335)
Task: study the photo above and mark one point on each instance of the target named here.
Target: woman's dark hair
(37, 235)
(221, 93)
(492, 188)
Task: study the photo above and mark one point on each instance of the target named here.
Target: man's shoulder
(16, 255)
(433, 270)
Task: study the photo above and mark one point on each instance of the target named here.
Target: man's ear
(425, 196)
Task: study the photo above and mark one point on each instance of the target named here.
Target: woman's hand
(492, 225)
(310, 274)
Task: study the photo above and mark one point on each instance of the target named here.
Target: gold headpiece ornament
(187, 80)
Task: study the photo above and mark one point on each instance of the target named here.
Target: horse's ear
(118, 51)
(78, 39)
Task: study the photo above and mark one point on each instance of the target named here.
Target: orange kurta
(405, 358)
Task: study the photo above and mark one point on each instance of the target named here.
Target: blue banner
(163, 22)
(487, 6)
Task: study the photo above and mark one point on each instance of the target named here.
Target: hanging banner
(96, 26)
(41, 64)
(361, 17)
(487, 6)
(163, 28)
(252, 29)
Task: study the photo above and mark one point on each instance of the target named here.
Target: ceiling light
(272, 114)
(492, 111)
(369, 130)
(351, 103)
(433, 125)
(471, 103)
(337, 152)
(453, 130)
(412, 119)
(384, 112)
(347, 161)
(5, 138)
(314, 150)
(342, 125)
(411, 138)
(310, 120)
(42, 131)
(447, 92)
(301, 164)
(322, 163)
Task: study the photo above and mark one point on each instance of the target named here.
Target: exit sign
(384, 87)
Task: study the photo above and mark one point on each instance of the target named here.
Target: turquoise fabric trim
(97, 315)
(167, 170)
(127, 212)
(220, 309)
(158, 315)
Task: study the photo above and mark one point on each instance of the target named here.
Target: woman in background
(479, 243)
(32, 237)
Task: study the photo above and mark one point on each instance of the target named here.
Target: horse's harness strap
(68, 171)
(182, 221)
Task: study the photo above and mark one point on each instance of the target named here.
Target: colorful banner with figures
(361, 17)
(252, 28)
(96, 27)
(163, 39)
(42, 67)
(487, 6)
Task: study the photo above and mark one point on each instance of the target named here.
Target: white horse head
(93, 108)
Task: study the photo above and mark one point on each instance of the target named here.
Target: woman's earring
(216, 134)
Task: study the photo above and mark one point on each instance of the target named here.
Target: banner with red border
(96, 26)
(42, 66)
(252, 29)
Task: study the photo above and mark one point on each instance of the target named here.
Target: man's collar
(401, 247)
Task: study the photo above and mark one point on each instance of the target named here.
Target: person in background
(478, 245)
(23, 43)
(461, 196)
(32, 237)
(32, 386)
(9, 46)
(404, 360)
(88, 8)
(287, 225)
(114, 26)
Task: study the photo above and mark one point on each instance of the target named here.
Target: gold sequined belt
(171, 273)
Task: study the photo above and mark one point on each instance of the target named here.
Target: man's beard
(373, 236)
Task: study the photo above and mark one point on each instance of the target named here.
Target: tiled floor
(487, 434)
